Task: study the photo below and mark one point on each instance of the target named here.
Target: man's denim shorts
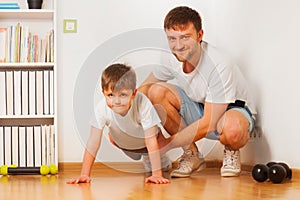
(191, 111)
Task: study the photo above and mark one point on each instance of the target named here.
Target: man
(211, 99)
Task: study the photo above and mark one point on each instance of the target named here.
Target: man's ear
(200, 35)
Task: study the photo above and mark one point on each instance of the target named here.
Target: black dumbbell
(276, 172)
(279, 172)
(260, 172)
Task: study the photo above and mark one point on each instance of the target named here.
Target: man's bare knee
(156, 93)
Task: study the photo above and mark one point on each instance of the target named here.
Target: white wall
(262, 36)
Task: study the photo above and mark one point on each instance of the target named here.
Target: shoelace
(185, 159)
(230, 158)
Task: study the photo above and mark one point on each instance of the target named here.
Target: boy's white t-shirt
(215, 79)
(128, 131)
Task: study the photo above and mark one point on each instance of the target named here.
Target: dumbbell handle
(23, 170)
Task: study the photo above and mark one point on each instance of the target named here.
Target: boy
(132, 122)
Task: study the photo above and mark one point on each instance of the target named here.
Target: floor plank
(111, 184)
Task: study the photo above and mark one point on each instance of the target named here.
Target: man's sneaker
(231, 163)
(188, 163)
(165, 162)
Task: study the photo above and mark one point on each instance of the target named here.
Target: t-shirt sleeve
(98, 120)
(149, 116)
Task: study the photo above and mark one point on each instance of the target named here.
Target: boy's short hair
(117, 77)
(180, 16)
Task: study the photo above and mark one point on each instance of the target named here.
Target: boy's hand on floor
(157, 180)
(80, 179)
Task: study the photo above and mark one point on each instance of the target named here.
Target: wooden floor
(110, 184)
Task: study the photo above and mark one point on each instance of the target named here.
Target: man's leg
(234, 128)
(171, 104)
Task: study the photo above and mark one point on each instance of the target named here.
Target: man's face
(184, 43)
(119, 101)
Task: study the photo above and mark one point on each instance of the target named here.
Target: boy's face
(119, 101)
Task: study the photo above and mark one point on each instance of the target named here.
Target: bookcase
(28, 85)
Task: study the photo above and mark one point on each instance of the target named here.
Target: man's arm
(197, 130)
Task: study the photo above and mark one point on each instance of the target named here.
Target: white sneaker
(231, 163)
(165, 161)
(188, 163)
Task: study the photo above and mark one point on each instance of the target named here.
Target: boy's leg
(132, 155)
(135, 155)
(166, 163)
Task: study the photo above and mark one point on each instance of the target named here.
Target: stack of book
(26, 92)
(9, 6)
(18, 44)
(27, 146)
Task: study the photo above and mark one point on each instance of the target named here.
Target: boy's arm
(154, 155)
(90, 153)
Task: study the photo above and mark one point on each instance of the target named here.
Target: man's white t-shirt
(215, 79)
(128, 131)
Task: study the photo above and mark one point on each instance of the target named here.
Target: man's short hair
(181, 16)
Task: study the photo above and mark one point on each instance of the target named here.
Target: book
(9, 6)
(24, 44)
(48, 145)
(46, 92)
(17, 93)
(12, 43)
(9, 93)
(43, 145)
(3, 32)
(17, 42)
(2, 94)
(7, 148)
(15, 145)
(29, 147)
(22, 146)
(25, 94)
(51, 92)
(8, 44)
(32, 93)
(43, 50)
(52, 145)
(37, 146)
(52, 45)
(1, 145)
(39, 93)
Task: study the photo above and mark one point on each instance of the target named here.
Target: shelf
(26, 65)
(26, 116)
(29, 120)
(26, 14)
